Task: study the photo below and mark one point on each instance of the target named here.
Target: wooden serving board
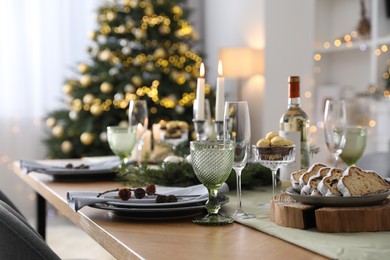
(286, 212)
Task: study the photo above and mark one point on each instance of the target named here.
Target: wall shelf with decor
(336, 35)
(351, 61)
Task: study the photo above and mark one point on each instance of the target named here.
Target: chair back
(18, 240)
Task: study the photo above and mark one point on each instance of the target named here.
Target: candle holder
(218, 126)
(199, 126)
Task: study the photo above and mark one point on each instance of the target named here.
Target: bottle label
(285, 171)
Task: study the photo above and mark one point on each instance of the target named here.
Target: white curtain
(41, 43)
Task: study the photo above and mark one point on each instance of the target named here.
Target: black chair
(4, 198)
(18, 240)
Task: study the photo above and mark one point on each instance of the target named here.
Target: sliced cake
(357, 182)
(314, 181)
(294, 178)
(328, 185)
(304, 178)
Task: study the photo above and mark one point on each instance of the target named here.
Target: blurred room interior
(42, 41)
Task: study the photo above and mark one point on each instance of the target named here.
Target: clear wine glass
(138, 117)
(274, 158)
(122, 141)
(355, 144)
(212, 162)
(237, 128)
(335, 122)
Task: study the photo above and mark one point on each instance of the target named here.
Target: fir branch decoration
(182, 175)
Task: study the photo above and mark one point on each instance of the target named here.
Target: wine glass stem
(336, 159)
(140, 144)
(123, 168)
(238, 178)
(273, 182)
(212, 204)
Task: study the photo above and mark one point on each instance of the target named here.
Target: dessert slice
(328, 184)
(304, 178)
(294, 178)
(356, 182)
(311, 186)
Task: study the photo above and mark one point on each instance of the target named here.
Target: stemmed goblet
(335, 122)
(355, 143)
(122, 141)
(138, 117)
(212, 162)
(237, 129)
(274, 158)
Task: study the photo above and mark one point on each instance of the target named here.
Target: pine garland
(182, 175)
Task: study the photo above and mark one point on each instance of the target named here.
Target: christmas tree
(142, 49)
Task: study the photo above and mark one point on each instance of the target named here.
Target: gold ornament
(110, 16)
(177, 10)
(77, 105)
(159, 53)
(164, 29)
(66, 146)
(149, 10)
(85, 81)
(130, 24)
(83, 68)
(133, 3)
(92, 35)
(183, 48)
(88, 98)
(137, 80)
(73, 115)
(149, 66)
(86, 138)
(58, 131)
(67, 89)
(139, 33)
(51, 122)
(96, 110)
(106, 87)
(105, 55)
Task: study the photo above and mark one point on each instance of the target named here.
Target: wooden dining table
(172, 239)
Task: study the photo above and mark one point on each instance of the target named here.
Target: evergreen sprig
(182, 175)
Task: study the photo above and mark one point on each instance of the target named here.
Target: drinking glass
(212, 162)
(274, 159)
(237, 128)
(138, 117)
(335, 122)
(356, 139)
(122, 141)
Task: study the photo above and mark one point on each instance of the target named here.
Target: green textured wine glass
(122, 141)
(355, 144)
(212, 162)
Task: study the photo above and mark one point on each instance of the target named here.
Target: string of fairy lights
(352, 40)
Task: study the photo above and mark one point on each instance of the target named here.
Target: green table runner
(360, 245)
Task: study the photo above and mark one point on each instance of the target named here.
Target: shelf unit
(357, 64)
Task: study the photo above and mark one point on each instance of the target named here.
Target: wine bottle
(294, 125)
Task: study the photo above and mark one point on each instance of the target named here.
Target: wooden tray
(286, 212)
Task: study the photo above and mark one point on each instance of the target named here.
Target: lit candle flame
(202, 70)
(220, 70)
